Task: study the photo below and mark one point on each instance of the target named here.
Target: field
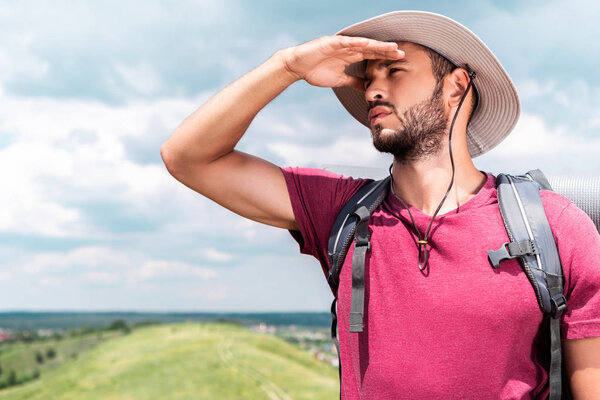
(185, 361)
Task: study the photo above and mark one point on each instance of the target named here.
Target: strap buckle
(495, 256)
(511, 250)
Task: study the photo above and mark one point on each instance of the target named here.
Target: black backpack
(531, 241)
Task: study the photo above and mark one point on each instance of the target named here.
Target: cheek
(415, 87)
(411, 91)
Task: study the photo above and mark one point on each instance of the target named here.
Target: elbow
(181, 164)
(170, 158)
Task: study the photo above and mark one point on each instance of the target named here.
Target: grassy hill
(186, 361)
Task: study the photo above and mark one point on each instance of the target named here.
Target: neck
(423, 183)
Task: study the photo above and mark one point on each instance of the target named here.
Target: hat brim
(498, 108)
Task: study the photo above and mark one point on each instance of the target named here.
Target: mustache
(381, 103)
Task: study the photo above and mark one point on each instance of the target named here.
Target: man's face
(406, 111)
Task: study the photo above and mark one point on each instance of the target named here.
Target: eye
(393, 70)
(366, 83)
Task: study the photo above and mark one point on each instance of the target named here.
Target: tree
(50, 353)
(118, 324)
(87, 329)
(12, 378)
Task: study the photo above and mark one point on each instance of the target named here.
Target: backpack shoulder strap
(532, 242)
(531, 239)
(352, 224)
(342, 232)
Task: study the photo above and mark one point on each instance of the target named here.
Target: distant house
(4, 336)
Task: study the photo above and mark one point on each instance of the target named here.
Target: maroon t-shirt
(459, 329)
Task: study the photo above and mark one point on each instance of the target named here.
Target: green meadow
(26, 360)
(185, 361)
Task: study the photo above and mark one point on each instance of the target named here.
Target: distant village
(316, 341)
(7, 335)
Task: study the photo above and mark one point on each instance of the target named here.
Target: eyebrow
(386, 64)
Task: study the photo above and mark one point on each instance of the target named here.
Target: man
(439, 322)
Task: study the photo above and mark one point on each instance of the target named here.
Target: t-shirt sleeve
(317, 196)
(579, 248)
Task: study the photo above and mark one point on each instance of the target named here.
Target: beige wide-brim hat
(498, 109)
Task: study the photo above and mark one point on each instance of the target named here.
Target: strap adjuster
(559, 305)
(368, 244)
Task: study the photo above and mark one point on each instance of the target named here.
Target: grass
(186, 361)
(21, 357)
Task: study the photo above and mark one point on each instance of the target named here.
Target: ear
(457, 82)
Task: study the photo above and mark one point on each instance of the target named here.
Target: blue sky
(91, 220)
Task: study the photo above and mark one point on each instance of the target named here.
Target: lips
(378, 113)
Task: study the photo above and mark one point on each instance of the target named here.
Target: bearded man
(438, 321)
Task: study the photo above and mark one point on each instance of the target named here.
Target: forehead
(414, 55)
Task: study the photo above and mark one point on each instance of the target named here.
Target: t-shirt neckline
(481, 198)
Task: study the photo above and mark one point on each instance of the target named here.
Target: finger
(391, 55)
(362, 42)
(356, 56)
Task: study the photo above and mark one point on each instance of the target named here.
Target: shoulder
(563, 214)
(316, 172)
(568, 222)
(555, 204)
(317, 196)
(327, 186)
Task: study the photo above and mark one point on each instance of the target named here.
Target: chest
(458, 283)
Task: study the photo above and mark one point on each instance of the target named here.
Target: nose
(375, 91)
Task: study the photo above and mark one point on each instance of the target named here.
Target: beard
(422, 128)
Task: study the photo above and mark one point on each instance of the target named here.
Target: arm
(582, 357)
(200, 153)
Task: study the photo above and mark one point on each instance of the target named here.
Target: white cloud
(82, 258)
(98, 264)
(101, 276)
(5, 275)
(51, 281)
(216, 255)
(141, 78)
(344, 150)
(164, 268)
(533, 144)
(25, 207)
(50, 174)
(532, 137)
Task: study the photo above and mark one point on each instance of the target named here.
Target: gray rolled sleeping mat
(583, 190)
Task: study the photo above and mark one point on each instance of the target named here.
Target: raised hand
(321, 62)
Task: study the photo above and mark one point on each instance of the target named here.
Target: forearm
(582, 358)
(216, 127)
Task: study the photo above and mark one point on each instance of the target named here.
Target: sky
(91, 220)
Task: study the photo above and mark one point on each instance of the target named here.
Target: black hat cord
(423, 241)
